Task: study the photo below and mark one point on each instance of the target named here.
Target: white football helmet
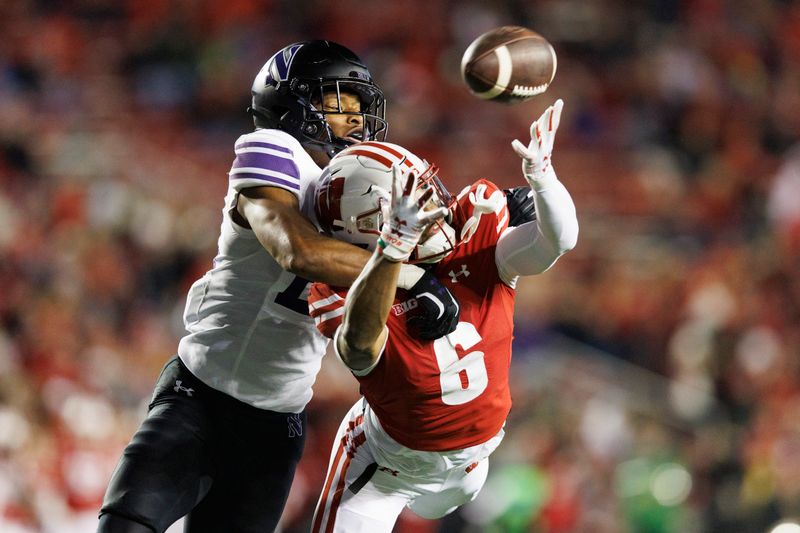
(355, 190)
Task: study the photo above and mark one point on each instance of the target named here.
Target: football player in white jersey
(226, 425)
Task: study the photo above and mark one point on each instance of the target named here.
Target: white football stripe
(501, 222)
(324, 317)
(503, 75)
(525, 91)
(329, 300)
(555, 63)
(259, 150)
(264, 172)
(331, 508)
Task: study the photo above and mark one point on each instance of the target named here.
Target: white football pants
(363, 493)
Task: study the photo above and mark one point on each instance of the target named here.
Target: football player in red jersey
(432, 411)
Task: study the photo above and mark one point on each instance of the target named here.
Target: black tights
(225, 465)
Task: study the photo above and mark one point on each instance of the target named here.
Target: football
(508, 64)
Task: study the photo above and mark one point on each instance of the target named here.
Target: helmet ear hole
(264, 118)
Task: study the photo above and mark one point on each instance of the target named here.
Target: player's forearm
(299, 248)
(320, 258)
(366, 311)
(556, 216)
(533, 247)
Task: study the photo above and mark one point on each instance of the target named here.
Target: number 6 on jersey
(463, 379)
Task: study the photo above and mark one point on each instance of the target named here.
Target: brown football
(508, 64)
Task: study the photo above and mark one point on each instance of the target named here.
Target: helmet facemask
(440, 237)
(315, 126)
(303, 73)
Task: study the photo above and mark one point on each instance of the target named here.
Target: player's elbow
(286, 235)
(358, 340)
(292, 263)
(297, 258)
(568, 241)
(549, 254)
(567, 238)
(357, 348)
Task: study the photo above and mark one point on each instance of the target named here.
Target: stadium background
(656, 366)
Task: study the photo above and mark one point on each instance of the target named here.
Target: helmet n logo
(282, 62)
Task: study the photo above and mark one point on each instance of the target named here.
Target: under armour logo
(454, 275)
(295, 425)
(179, 388)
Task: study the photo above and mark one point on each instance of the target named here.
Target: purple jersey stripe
(259, 144)
(267, 162)
(262, 177)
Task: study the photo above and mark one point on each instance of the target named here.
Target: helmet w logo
(282, 62)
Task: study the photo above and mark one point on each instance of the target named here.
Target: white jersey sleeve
(266, 157)
(533, 247)
(248, 329)
(273, 158)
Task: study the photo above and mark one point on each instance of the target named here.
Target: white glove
(405, 221)
(536, 165)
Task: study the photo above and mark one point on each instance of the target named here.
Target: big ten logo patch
(404, 307)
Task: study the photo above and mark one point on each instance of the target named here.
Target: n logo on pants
(295, 425)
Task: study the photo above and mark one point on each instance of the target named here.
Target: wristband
(409, 276)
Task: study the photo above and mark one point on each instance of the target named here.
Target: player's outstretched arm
(289, 237)
(273, 214)
(533, 247)
(363, 332)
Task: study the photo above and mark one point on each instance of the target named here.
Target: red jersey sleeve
(326, 307)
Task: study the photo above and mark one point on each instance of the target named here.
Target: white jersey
(249, 333)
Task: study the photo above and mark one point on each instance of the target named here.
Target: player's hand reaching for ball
(406, 219)
(537, 166)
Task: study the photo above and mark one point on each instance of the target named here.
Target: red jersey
(451, 393)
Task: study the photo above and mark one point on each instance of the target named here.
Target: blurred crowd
(658, 387)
